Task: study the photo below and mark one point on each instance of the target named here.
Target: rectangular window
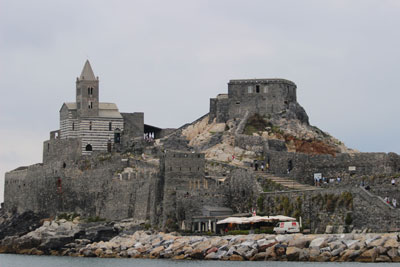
(265, 89)
(250, 89)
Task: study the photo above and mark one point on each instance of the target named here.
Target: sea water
(11, 260)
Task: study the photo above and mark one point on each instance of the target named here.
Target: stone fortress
(106, 164)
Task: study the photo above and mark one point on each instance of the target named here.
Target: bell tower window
(90, 105)
(90, 91)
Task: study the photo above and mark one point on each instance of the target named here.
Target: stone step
(286, 182)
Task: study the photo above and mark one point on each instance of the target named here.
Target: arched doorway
(117, 136)
(88, 147)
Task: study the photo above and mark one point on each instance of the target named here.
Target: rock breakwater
(72, 239)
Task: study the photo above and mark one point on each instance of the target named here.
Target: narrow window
(257, 89)
(90, 126)
(88, 91)
(73, 126)
(110, 126)
(90, 106)
(249, 89)
(265, 89)
(48, 147)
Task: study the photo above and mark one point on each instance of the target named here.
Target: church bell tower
(87, 93)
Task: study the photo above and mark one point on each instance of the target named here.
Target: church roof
(106, 110)
(87, 72)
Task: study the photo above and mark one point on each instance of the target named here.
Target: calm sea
(10, 260)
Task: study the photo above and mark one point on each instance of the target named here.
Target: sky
(168, 58)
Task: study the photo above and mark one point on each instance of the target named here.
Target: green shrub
(238, 232)
(349, 219)
(260, 202)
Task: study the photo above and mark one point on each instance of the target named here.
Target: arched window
(90, 91)
(88, 147)
(110, 126)
(90, 125)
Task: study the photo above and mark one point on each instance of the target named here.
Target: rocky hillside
(217, 140)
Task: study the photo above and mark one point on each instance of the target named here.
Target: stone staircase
(286, 182)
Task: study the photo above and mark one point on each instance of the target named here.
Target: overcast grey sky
(167, 58)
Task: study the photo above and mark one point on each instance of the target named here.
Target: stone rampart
(103, 186)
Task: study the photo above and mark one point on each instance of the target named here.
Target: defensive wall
(303, 166)
(107, 186)
(339, 206)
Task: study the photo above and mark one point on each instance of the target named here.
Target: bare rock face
(20, 224)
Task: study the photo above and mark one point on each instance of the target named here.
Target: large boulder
(368, 256)
(292, 253)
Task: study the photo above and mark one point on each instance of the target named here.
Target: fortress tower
(266, 97)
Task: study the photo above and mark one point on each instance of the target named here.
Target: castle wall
(304, 165)
(133, 127)
(183, 172)
(105, 186)
(219, 109)
(61, 150)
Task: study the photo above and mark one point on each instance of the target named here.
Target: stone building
(97, 125)
(99, 163)
(267, 97)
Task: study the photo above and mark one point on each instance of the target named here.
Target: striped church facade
(94, 133)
